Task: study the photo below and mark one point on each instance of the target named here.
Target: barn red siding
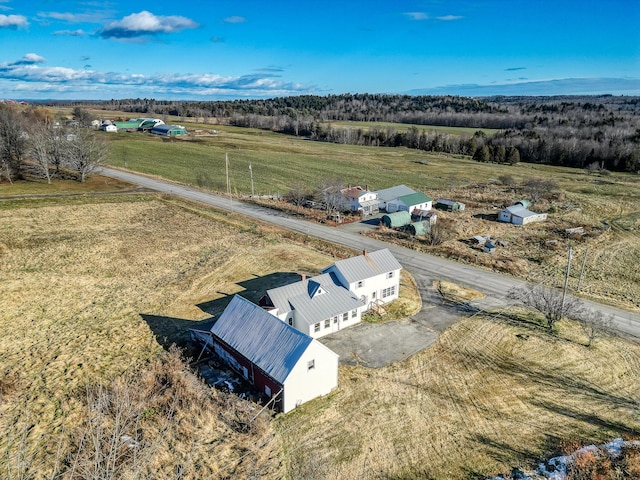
(258, 378)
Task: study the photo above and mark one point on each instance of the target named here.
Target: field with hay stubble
(95, 288)
(91, 293)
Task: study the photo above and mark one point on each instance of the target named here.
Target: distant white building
(412, 203)
(519, 215)
(388, 194)
(107, 127)
(357, 199)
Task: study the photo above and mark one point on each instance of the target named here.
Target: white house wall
(373, 287)
(304, 383)
(334, 326)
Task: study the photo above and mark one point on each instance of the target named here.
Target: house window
(291, 322)
(311, 364)
(354, 313)
(316, 327)
(345, 316)
(361, 284)
(390, 275)
(327, 323)
(388, 292)
(267, 391)
(335, 319)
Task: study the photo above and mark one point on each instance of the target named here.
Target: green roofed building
(409, 203)
(169, 130)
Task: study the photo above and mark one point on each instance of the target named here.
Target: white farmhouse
(373, 277)
(316, 306)
(357, 199)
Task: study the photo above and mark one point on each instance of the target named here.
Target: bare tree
(440, 232)
(539, 187)
(41, 142)
(550, 302)
(85, 152)
(13, 143)
(298, 194)
(594, 324)
(329, 192)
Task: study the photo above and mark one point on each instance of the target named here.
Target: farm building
(147, 124)
(169, 130)
(424, 216)
(519, 215)
(448, 205)
(373, 277)
(409, 203)
(396, 220)
(109, 128)
(419, 228)
(316, 306)
(286, 365)
(96, 124)
(357, 199)
(388, 194)
(127, 126)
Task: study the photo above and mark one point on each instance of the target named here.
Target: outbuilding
(419, 228)
(388, 194)
(519, 215)
(409, 203)
(169, 130)
(109, 128)
(448, 205)
(396, 220)
(287, 366)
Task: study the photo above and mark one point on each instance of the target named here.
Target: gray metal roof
(389, 194)
(520, 211)
(366, 266)
(260, 337)
(310, 305)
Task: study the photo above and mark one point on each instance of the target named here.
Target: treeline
(573, 131)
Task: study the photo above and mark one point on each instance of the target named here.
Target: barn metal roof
(392, 193)
(315, 299)
(520, 211)
(414, 198)
(365, 266)
(263, 339)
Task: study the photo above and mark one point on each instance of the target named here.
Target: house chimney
(365, 252)
(366, 188)
(304, 277)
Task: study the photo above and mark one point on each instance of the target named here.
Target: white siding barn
(519, 215)
(410, 203)
(373, 277)
(283, 363)
(388, 194)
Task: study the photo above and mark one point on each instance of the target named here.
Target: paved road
(424, 268)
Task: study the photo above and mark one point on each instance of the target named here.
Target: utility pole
(226, 161)
(566, 279)
(584, 262)
(251, 174)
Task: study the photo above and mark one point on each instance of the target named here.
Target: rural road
(424, 268)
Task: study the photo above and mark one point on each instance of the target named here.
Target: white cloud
(144, 24)
(58, 79)
(32, 58)
(449, 18)
(417, 15)
(88, 17)
(235, 19)
(13, 21)
(71, 33)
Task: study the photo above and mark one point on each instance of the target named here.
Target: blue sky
(219, 49)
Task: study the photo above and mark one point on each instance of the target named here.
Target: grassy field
(489, 395)
(96, 287)
(403, 127)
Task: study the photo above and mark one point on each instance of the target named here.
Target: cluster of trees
(33, 144)
(573, 131)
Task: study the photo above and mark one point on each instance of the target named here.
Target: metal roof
(263, 339)
(165, 128)
(315, 299)
(366, 266)
(392, 193)
(414, 198)
(520, 211)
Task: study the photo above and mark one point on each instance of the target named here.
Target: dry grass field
(96, 288)
(490, 394)
(92, 291)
